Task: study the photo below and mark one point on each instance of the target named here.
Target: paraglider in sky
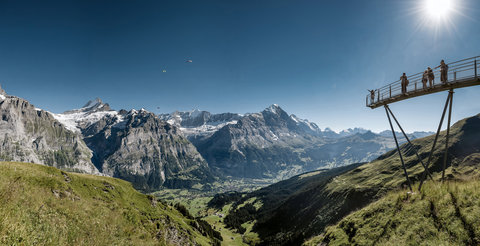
(188, 61)
(164, 70)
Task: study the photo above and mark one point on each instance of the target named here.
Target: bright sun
(438, 9)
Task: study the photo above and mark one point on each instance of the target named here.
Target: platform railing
(458, 72)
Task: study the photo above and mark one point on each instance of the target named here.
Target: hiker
(404, 80)
(443, 71)
(431, 77)
(425, 79)
(372, 95)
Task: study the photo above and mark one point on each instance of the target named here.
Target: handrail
(461, 69)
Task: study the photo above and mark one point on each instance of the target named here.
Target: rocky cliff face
(28, 134)
(258, 145)
(277, 145)
(136, 146)
(139, 147)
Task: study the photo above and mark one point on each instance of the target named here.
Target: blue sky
(314, 58)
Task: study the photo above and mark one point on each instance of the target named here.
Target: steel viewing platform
(461, 74)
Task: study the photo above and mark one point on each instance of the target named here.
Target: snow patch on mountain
(274, 108)
(72, 120)
(199, 123)
(205, 129)
(195, 113)
(90, 113)
(2, 93)
(92, 103)
(307, 123)
(350, 131)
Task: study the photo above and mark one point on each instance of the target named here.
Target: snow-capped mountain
(3, 94)
(137, 146)
(196, 123)
(274, 144)
(145, 150)
(91, 112)
(329, 133)
(306, 125)
(133, 145)
(350, 132)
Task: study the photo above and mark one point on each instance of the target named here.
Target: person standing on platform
(404, 80)
(372, 95)
(425, 79)
(431, 77)
(443, 71)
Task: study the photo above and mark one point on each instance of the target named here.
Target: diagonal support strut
(450, 93)
(406, 137)
(398, 149)
(422, 179)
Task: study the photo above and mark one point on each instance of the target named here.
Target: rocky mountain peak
(141, 114)
(196, 112)
(2, 92)
(93, 103)
(96, 105)
(77, 119)
(29, 134)
(367, 135)
(274, 108)
(350, 131)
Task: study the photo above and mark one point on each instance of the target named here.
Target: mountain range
(293, 210)
(273, 144)
(177, 150)
(133, 145)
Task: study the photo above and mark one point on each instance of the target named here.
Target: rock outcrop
(28, 134)
(139, 147)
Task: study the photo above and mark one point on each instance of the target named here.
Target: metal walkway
(461, 73)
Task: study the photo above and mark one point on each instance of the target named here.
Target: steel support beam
(398, 148)
(408, 140)
(475, 64)
(450, 94)
(422, 179)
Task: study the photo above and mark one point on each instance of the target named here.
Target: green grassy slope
(43, 205)
(278, 207)
(303, 211)
(445, 214)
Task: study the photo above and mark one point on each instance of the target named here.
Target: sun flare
(438, 9)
